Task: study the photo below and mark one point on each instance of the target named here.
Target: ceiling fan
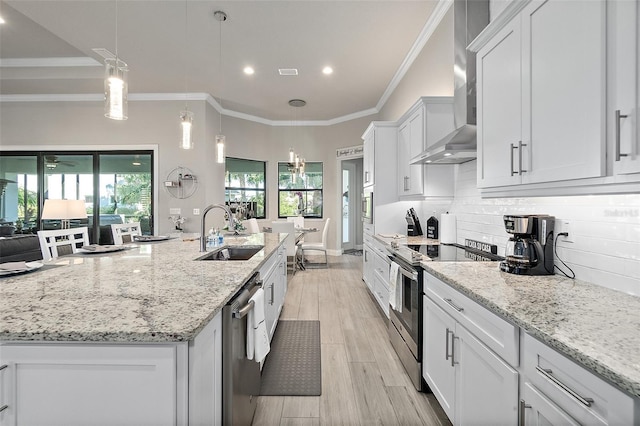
(52, 161)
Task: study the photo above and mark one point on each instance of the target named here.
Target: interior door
(351, 211)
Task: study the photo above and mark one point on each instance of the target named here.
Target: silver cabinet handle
(513, 172)
(618, 117)
(521, 414)
(446, 344)
(4, 407)
(272, 294)
(366, 176)
(3, 366)
(520, 145)
(453, 350)
(406, 183)
(453, 305)
(549, 375)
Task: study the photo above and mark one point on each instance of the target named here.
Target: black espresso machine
(413, 223)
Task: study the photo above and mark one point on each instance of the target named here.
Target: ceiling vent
(288, 71)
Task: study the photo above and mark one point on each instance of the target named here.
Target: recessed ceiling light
(447, 154)
(1, 20)
(249, 70)
(327, 70)
(288, 71)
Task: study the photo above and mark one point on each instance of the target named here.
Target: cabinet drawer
(583, 395)
(495, 332)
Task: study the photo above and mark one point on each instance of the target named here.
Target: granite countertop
(151, 292)
(597, 327)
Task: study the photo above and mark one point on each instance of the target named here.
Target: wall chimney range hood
(470, 17)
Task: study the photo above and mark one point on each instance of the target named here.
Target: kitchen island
(149, 313)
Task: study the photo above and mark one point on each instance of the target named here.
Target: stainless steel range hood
(470, 17)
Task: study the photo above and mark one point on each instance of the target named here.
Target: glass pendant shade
(116, 89)
(186, 127)
(220, 139)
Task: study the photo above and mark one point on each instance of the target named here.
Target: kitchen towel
(257, 336)
(395, 290)
(448, 228)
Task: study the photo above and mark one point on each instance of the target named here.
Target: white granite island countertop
(597, 327)
(151, 292)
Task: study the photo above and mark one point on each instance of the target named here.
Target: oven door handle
(413, 276)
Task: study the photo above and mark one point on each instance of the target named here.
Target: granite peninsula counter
(149, 293)
(597, 327)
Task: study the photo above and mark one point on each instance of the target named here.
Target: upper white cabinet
(368, 162)
(541, 88)
(425, 123)
(379, 163)
(623, 116)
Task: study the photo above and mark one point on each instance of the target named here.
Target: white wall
(605, 229)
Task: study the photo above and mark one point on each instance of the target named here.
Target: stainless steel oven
(405, 320)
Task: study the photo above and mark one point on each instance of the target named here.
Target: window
(300, 194)
(245, 186)
(116, 187)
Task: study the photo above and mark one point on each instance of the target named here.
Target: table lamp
(64, 210)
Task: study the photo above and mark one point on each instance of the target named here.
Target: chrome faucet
(203, 236)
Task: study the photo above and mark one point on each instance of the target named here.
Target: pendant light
(186, 116)
(220, 139)
(296, 163)
(116, 85)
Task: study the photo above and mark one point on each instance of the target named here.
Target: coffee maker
(530, 249)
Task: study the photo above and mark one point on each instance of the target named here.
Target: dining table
(300, 233)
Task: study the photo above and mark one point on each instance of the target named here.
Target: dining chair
(123, 233)
(252, 225)
(282, 227)
(318, 246)
(59, 242)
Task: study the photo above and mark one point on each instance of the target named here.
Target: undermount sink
(232, 253)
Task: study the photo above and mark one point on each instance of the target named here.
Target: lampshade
(64, 210)
(116, 89)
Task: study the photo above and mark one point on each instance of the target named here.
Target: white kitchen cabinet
(623, 115)
(426, 122)
(91, 384)
(375, 272)
(274, 283)
(471, 382)
(537, 410)
(576, 392)
(541, 93)
(368, 158)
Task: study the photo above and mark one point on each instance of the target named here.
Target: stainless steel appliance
(240, 376)
(530, 250)
(405, 323)
(367, 207)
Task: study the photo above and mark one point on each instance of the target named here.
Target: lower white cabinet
(472, 384)
(573, 391)
(274, 284)
(91, 384)
(375, 273)
(538, 410)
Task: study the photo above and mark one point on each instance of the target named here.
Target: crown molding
(429, 28)
(79, 61)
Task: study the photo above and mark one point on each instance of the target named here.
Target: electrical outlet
(175, 211)
(565, 227)
(196, 212)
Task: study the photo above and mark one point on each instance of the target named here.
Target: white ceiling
(46, 48)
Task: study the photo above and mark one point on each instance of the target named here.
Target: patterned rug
(292, 368)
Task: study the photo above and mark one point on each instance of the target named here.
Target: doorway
(351, 202)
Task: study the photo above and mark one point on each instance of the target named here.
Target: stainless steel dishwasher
(240, 376)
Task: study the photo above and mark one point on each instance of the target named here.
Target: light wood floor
(363, 382)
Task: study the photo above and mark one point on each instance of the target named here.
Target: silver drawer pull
(4, 407)
(618, 117)
(549, 375)
(522, 414)
(453, 305)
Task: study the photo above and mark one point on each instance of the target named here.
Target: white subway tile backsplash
(605, 228)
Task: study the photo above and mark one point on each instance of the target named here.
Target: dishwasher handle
(254, 284)
(242, 312)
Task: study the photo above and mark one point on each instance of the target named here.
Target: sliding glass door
(116, 187)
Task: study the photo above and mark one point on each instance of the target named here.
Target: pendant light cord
(186, 68)
(116, 32)
(221, 73)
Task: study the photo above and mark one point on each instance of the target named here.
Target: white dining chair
(318, 246)
(123, 233)
(252, 226)
(282, 227)
(59, 242)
